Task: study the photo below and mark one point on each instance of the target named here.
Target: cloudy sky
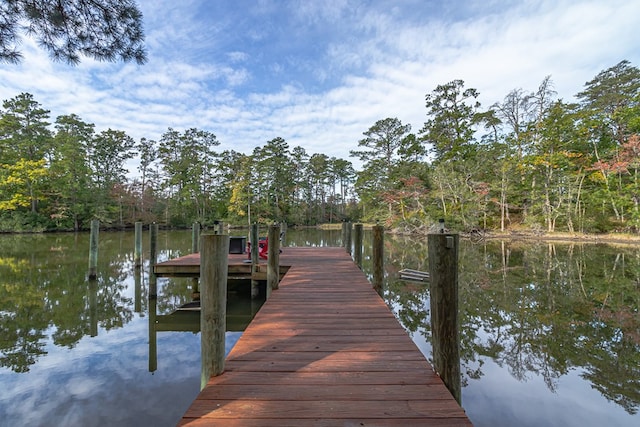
(319, 73)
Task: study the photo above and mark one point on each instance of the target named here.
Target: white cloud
(319, 75)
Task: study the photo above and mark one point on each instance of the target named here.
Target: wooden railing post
(443, 277)
(93, 249)
(357, 244)
(214, 262)
(273, 259)
(378, 258)
(137, 256)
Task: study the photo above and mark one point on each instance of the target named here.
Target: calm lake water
(550, 332)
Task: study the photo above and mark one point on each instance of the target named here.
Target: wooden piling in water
(443, 277)
(214, 263)
(283, 234)
(357, 244)
(195, 238)
(137, 253)
(253, 238)
(378, 258)
(93, 249)
(347, 244)
(273, 258)
(195, 248)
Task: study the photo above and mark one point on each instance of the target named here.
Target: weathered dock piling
(443, 276)
(273, 259)
(214, 263)
(195, 238)
(93, 249)
(253, 239)
(195, 248)
(378, 258)
(137, 252)
(347, 236)
(357, 244)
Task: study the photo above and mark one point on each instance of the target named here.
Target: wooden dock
(325, 350)
(189, 266)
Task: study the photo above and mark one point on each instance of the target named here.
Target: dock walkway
(325, 350)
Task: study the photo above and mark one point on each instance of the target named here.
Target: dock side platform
(325, 350)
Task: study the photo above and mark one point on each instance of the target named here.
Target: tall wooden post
(137, 255)
(378, 258)
(273, 259)
(283, 234)
(195, 248)
(443, 278)
(255, 285)
(220, 227)
(195, 238)
(93, 249)
(347, 244)
(357, 244)
(153, 244)
(213, 303)
(343, 235)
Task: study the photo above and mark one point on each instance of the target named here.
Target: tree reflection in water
(540, 309)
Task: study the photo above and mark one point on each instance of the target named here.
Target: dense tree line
(61, 178)
(530, 161)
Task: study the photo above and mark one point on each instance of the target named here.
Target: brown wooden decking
(189, 266)
(325, 350)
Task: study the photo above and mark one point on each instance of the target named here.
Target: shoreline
(556, 237)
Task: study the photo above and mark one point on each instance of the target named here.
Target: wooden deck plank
(423, 377)
(324, 350)
(328, 409)
(345, 422)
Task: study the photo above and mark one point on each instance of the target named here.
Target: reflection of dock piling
(153, 244)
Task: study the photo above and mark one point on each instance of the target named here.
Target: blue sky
(320, 73)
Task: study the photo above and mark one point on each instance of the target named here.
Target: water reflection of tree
(44, 293)
(21, 318)
(541, 310)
